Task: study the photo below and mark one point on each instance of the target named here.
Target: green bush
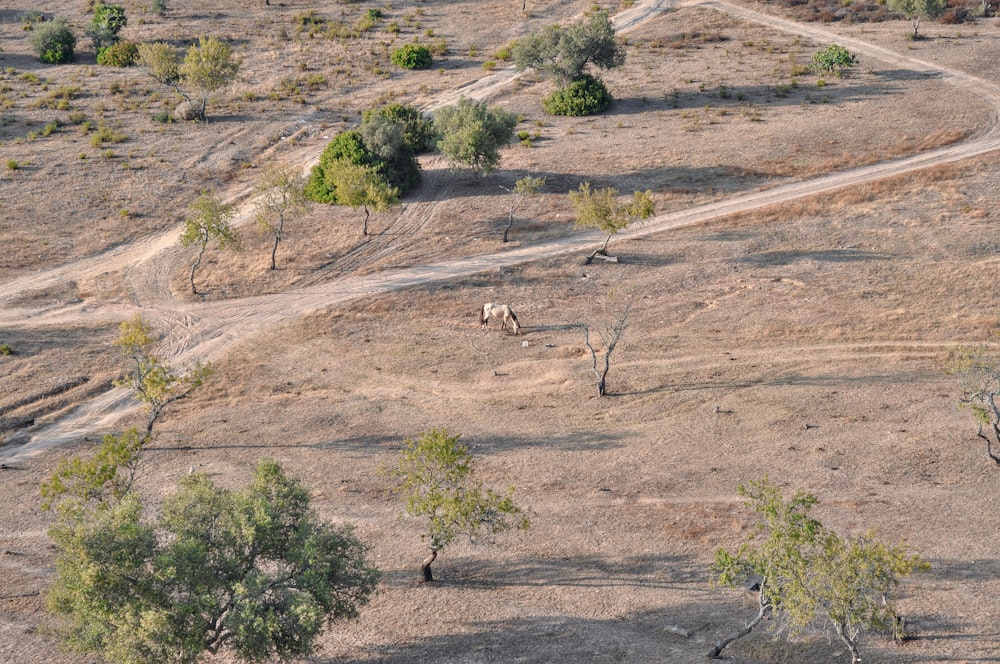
(5, 349)
(122, 54)
(418, 129)
(347, 146)
(412, 56)
(584, 96)
(53, 42)
(833, 59)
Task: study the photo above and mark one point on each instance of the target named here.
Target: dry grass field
(804, 341)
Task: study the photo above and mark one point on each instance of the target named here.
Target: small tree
(156, 385)
(833, 59)
(280, 197)
(804, 570)
(917, 9)
(436, 477)
(211, 221)
(610, 332)
(107, 22)
(53, 42)
(602, 210)
(978, 371)
(360, 186)
(252, 571)
(206, 67)
(523, 188)
(472, 134)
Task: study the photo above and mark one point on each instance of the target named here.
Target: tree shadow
(766, 258)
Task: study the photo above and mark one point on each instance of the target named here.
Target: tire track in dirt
(203, 331)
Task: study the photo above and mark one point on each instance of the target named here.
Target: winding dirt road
(205, 331)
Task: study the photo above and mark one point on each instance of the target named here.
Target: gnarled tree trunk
(425, 568)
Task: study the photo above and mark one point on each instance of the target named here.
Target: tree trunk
(765, 604)
(195, 267)
(365, 230)
(510, 222)
(916, 24)
(851, 643)
(425, 568)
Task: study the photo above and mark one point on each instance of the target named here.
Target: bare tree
(978, 371)
(526, 186)
(610, 332)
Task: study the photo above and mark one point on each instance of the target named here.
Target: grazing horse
(503, 311)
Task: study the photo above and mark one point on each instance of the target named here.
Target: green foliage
(523, 188)
(357, 185)
(107, 22)
(918, 9)
(346, 146)
(832, 59)
(281, 195)
(584, 96)
(53, 42)
(417, 128)
(564, 53)
(124, 53)
(412, 56)
(5, 349)
(207, 66)
(602, 210)
(99, 480)
(807, 571)
(211, 220)
(977, 369)
(251, 571)
(436, 477)
(159, 7)
(472, 134)
(156, 385)
(389, 152)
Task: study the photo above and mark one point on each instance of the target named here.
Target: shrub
(346, 146)
(584, 96)
(159, 7)
(412, 56)
(5, 349)
(122, 54)
(53, 41)
(107, 23)
(833, 59)
(418, 129)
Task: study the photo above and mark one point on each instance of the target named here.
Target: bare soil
(803, 340)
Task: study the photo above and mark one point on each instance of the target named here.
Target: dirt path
(205, 331)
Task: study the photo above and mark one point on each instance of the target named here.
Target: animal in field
(502, 311)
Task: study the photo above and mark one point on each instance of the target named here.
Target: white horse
(503, 311)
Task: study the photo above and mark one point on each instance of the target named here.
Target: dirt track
(204, 331)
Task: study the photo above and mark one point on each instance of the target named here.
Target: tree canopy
(252, 571)
(210, 220)
(918, 9)
(805, 570)
(207, 66)
(602, 210)
(565, 53)
(436, 477)
(471, 134)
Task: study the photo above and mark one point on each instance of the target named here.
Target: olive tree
(804, 571)
(281, 196)
(155, 384)
(471, 134)
(252, 572)
(206, 67)
(977, 369)
(918, 9)
(211, 220)
(602, 210)
(436, 477)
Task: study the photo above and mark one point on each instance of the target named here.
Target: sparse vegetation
(211, 220)
(602, 210)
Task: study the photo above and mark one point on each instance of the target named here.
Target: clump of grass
(5, 349)
(13, 165)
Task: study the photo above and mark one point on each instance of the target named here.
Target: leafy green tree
(436, 477)
(212, 220)
(390, 152)
(207, 66)
(833, 59)
(53, 41)
(918, 9)
(106, 476)
(586, 95)
(804, 570)
(280, 196)
(417, 127)
(472, 134)
(523, 188)
(107, 22)
(156, 384)
(360, 186)
(602, 210)
(412, 56)
(977, 369)
(253, 572)
(565, 53)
